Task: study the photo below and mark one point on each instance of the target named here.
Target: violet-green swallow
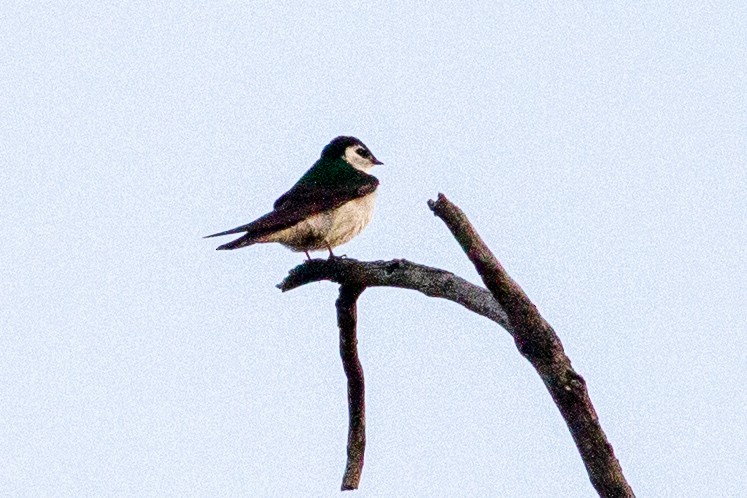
(331, 203)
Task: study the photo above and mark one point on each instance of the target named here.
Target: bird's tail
(242, 228)
(244, 241)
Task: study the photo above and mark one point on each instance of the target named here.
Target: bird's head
(353, 151)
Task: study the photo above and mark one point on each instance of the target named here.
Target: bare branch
(505, 303)
(538, 342)
(402, 274)
(346, 321)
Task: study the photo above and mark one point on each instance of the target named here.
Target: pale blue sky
(599, 149)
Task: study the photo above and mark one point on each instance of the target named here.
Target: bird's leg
(331, 256)
(307, 255)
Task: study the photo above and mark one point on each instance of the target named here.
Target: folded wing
(299, 203)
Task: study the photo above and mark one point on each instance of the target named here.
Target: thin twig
(538, 342)
(346, 321)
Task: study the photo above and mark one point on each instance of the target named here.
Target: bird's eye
(363, 153)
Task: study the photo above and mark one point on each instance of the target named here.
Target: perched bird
(331, 203)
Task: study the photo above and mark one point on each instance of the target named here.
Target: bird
(328, 206)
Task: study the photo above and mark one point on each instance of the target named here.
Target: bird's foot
(332, 255)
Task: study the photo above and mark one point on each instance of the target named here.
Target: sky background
(598, 148)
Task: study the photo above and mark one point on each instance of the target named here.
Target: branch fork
(503, 302)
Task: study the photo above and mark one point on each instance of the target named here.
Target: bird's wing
(303, 201)
(329, 194)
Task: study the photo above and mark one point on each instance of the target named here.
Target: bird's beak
(375, 161)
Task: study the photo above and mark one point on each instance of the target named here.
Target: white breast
(349, 219)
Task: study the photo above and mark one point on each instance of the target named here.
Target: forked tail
(244, 241)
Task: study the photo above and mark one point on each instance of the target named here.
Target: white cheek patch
(356, 161)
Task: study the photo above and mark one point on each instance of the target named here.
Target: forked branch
(504, 303)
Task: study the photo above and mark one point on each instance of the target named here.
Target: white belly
(328, 229)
